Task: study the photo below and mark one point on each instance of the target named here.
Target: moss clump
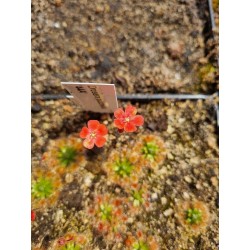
(106, 212)
(123, 167)
(150, 150)
(71, 246)
(207, 73)
(67, 155)
(137, 197)
(193, 216)
(140, 245)
(42, 188)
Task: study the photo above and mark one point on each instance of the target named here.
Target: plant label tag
(95, 97)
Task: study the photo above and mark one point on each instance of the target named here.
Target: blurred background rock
(140, 46)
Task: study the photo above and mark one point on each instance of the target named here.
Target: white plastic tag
(96, 97)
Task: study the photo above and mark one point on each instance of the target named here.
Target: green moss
(71, 246)
(205, 72)
(123, 167)
(137, 197)
(193, 216)
(67, 155)
(42, 188)
(149, 150)
(106, 212)
(140, 245)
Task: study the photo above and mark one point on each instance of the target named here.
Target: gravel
(140, 46)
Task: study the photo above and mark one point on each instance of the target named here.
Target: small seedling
(106, 212)
(67, 155)
(71, 246)
(193, 216)
(123, 167)
(149, 150)
(137, 197)
(140, 245)
(42, 188)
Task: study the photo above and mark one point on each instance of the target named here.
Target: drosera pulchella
(122, 168)
(139, 198)
(141, 241)
(65, 155)
(193, 215)
(109, 216)
(150, 150)
(72, 241)
(45, 188)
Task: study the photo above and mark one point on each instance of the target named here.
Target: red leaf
(33, 215)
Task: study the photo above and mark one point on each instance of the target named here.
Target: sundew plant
(150, 150)
(123, 167)
(137, 197)
(140, 245)
(67, 155)
(193, 216)
(42, 188)
(71, 246)
(106, 212)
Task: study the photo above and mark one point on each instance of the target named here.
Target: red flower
(128, 120)
(33, 215)
(94, 134)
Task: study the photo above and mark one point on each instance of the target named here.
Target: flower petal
(130, 127)
(84, 132)
(93, 124)
(88, 143)
(118, 123)
(130, 110)
(100, 141)
(119, 113)
(138, 120)
(102, 130)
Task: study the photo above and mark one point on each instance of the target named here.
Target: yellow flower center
(127, 119)
(92, 134)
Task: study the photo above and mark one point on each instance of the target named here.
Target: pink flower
(94, 134)
(127, 120)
